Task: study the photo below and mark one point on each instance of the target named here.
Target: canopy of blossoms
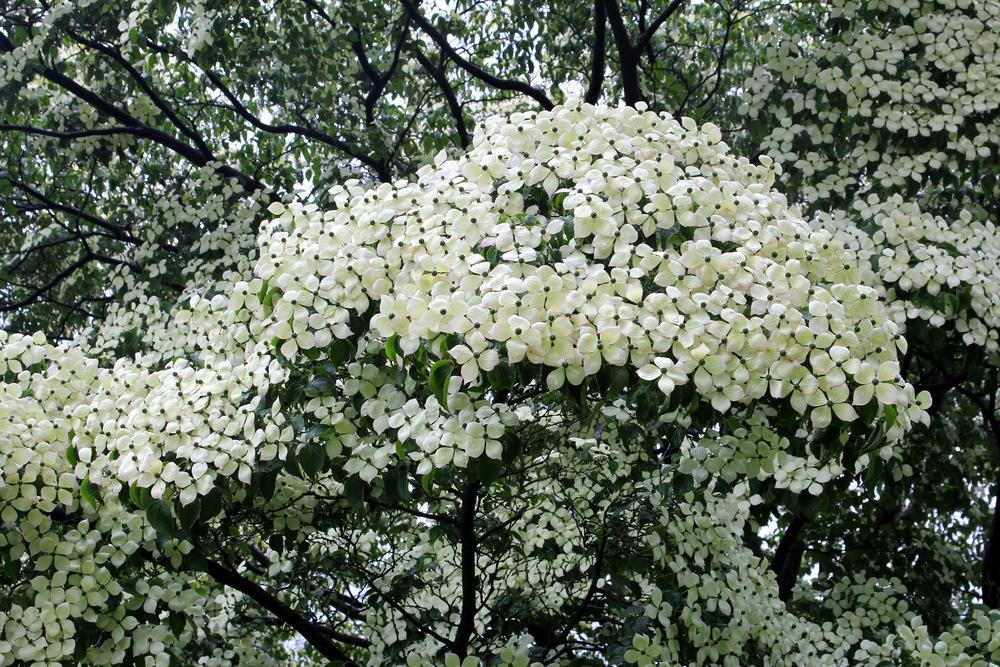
(582, 286)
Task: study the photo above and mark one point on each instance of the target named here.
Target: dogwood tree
(348, 333)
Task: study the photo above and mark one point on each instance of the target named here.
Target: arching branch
(146, 88)
(647, 35)
(140, 129)
(117, 232)
(438, 74)
(471, 68)
(317, 636)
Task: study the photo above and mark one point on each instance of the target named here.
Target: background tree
(368, 337)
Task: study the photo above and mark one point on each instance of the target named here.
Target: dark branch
(629, 53)
(438, 74)
(647, 35)
(471, 68)
(288, 128)
(120, 233)
(595, 578)
(719, 64)
(467, 535)
(788, 557)
(599, 54)
(37, 293)
(140, 129)
(628, 57)
(144, 85)
(990, 583)
(317, 636)
(75, 134)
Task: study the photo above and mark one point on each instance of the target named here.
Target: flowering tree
(305, 366)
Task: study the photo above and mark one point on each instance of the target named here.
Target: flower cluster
(903, 108)
(66, 530)
(584, 237)
(756, 452)
(928, 267)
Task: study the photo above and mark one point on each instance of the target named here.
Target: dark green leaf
(354, 488)
(312, 456)
(211, 505)
(391, 348)
(177, 622)
(488, 470)
(160, 518)
(438, 379)
(188, 514)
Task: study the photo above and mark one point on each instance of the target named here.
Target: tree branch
(289, 128)
(719, 64)
(599, 53)
(788, 556)
(56, 280)
(471, 68)
(628, 53)
(75, 134)
(628, 56)
(647, 35)
(381, 81)
(144, 85)
(317, 636)
(438, 74)
(595, 577)
(140, 129)
(990, 583)
(120, 233)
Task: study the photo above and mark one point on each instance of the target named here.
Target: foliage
(381, 333)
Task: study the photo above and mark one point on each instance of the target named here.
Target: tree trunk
(788, 557)
(991, 559)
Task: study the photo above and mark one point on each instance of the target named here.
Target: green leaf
(488, 470)
(268, 299)
(139, 496)
(160, 518)
(195, 561)
(354, 487)
(72, 456)
(319, 386)
(292, 464)
(211, 505)
(501, 377)
(392, 348)
(618, 381)
(311, 458)
(267, 483)
(123, 495)
(130, 343)
(188, 514)
(395, 485)
(90, 492)
(339, 352)
(438, 379)
(891, 413)
(177, 622)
